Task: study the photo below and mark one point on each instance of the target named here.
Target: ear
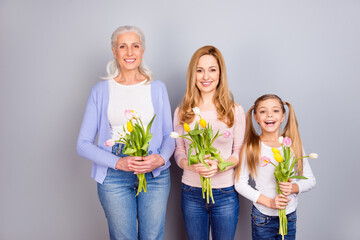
(283, 117)
(113, 50)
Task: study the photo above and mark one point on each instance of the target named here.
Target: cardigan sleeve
(168, 143)
(89, 128)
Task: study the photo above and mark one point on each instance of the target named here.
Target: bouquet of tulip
(201, 138)
(136, 141)
(283, 172)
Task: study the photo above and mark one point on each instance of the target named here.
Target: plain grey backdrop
(53, 52)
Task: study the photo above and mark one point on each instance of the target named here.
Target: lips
(270, 123)
(130, 60)
(206, 83)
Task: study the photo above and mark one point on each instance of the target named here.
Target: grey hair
(113, 68)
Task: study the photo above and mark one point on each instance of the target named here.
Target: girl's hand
(279, 202)
(148, 164)
(288, 188)
(124, 162)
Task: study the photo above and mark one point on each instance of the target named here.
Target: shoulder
(238, 109)
(100, 86)
(157, 84)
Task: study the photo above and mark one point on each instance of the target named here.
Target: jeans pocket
(227, 189)
(186, 188)
(259, 219)
(292, 217)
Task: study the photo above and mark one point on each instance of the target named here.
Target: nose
(206, 75)
(269, 114)
(129, 51)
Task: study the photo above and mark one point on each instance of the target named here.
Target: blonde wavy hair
(251, 147)
(223, 99)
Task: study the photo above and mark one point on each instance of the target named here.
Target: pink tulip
(264, 161)
(129, 114)
(287, 142)
(109, 143)
(227, 134)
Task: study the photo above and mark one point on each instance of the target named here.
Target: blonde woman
(207, 89)
(129, 217)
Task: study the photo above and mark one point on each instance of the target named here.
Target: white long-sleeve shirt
(265, 183)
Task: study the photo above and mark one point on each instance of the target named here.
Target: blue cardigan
(96, 122)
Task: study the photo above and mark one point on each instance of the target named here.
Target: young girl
(208, 90)
(269, 113)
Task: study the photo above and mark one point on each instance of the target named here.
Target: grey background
(53, 52)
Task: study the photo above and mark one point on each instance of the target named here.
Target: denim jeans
(222, 216)
(131, 217)
(267, 227)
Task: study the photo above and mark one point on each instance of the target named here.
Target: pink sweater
(227, 146)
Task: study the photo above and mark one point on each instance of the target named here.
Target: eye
(213, 70)
(121, 46)
(199, 70)
(276, 110)
(136, 46)
(262, 111)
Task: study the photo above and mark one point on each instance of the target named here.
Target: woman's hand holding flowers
(148, 164)
(288, 188)
(124, 162)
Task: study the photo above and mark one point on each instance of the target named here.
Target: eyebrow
(209, 67)
(129, 42)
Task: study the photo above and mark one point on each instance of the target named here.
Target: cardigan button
(150, 152)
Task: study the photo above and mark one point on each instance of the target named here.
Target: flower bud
(202, 123)
(174, 135)
(278, 157)
(186, 127)
(227, 134)
(196, 110)
(129, 126)
(281, 140)
(109, 143)
(264, 161)
(275, 150)
(313, 155)
(287, 141)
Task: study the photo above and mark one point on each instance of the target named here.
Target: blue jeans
(267, 227)
(222, 216)
(131, 217)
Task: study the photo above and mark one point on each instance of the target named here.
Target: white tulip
(174, 135)
(196, 110)
(122, 135)
(137, 115)
(281, 139)
(313, 155)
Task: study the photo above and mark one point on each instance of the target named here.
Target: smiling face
(269, 114)
(128, 51)
(207, 74)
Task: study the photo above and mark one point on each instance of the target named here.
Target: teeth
(206, 83)
(129, 60)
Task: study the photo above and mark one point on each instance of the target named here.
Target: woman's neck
(130, 77)
(206, 102)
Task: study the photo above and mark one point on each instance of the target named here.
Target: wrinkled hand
(286, 187)
(148, 164)
(279, 202)
(204, 171)
(124, 162)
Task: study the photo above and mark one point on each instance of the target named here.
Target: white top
(136, 97)
(265, 183)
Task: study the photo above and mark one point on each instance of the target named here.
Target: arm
(88, 131)
(242, 187)
(238, 136)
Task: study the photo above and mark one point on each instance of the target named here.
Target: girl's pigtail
(291, 130)
(251, 147)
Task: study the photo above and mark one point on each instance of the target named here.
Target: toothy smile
(270, 122)
(130, 60)
(206, 83)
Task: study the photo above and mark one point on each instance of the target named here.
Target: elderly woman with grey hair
(129, 85)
